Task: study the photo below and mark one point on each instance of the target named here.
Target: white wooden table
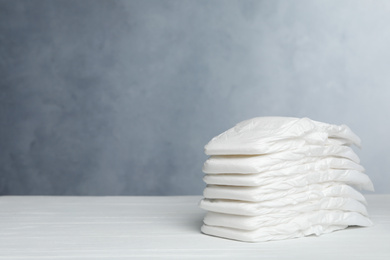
(161, 227)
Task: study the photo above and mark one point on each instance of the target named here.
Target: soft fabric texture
(273, 219)
(257, 194)
(285, 206)
(303, 225)
(350, 177)
(257, 164)
(264, 135)
(272, 178)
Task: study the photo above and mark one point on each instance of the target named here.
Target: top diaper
(264, 135)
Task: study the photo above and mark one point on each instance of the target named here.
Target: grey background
(119, 97)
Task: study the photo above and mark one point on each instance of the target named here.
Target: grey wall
(119, 97)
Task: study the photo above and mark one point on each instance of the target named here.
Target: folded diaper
(350, 177)
(263, 135)
(257, 194)
(273, 219)
(255, 164)
(284, 207)
(317, 222)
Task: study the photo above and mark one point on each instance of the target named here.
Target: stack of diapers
(272, 178)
